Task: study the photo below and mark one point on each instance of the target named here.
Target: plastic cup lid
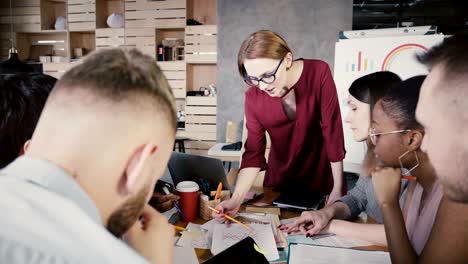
(187, 186)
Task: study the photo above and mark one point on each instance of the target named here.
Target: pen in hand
(174, 203)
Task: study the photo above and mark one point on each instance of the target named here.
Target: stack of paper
(302, 254)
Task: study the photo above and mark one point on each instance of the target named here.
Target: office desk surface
(268, 197)
(224, 155)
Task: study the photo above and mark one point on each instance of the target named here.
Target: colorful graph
(403, 50)
(361, 64)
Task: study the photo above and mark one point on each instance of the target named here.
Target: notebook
(302, 254)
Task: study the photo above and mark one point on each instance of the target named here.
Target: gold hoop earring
(401, 163)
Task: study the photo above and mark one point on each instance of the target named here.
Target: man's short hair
(22, 98)
(451, 53)
(119, 74)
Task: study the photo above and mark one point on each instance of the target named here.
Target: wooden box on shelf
(155, 14)
(105, 8)
(32, 45)
(26, 16)
(200, 124)
(81, 15)
(82, 43)
(175, 73)
(109, 37)
(50, 11)
(201, 44)
(144, 39)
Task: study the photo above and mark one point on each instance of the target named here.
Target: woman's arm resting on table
(373, 233)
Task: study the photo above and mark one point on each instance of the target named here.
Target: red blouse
(301, 149)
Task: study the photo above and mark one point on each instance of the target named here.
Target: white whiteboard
(358, 57)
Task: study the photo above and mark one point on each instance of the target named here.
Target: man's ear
(133, 172)
(25, 147)
(415, 140)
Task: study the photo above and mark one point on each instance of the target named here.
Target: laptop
(302, 201)
(188, 167)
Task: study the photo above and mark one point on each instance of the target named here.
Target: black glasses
(266, 78)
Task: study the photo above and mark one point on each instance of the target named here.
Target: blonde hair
(261, 44)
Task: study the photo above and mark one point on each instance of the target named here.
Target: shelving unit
(155, 14)
(147, 24)
(50, 10)
(27, 16)
(81, 15)
(105, 8)
(82, 40)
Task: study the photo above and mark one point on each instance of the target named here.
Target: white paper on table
(329, 241)
(225, 236)
(194, 237)
(209, 226)
(184, 255)
(302, 254)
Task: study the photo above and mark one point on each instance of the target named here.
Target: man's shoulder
(36, 223)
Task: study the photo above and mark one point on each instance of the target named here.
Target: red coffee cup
(188, 192)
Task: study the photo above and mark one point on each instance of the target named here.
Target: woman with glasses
(417, 230)
(296, 102)
(363, 93)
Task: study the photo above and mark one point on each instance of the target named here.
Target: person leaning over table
(364, 92)
(296, 102)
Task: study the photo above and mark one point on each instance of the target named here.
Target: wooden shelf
(200, 75)
(32, 45)
(81, 15)
(155, 14)
(204, 11)
(50, 11)
(175, 73)
(26, 16)
(147, 23)
(105, 8)
(84, 40)
(110, 37)
(201, 44)
(144, 39)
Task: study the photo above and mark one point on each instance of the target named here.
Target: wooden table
(268, 197)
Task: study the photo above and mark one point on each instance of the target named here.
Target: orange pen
(218, 191)
(230, 218)
(408, 177)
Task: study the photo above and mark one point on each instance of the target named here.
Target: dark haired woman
(363, 94)
(428, 225)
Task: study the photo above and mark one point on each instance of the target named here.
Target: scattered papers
(194, 237)
(184, 255)
(225, 236)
